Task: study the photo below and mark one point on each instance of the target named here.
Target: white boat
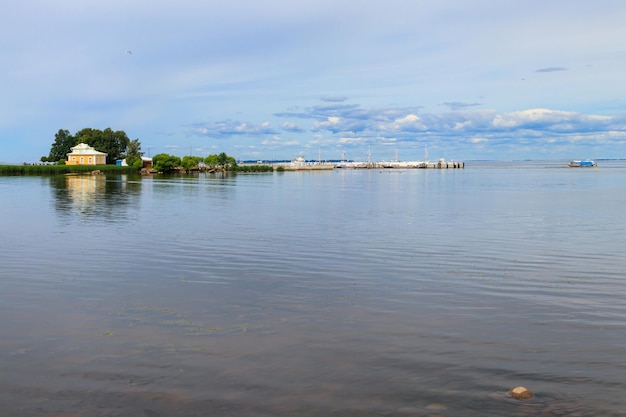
(582, 164)
(299, 161)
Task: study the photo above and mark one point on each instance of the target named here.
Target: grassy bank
(251, 168)
(63, 169)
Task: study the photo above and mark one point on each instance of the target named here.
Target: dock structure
(440, 164)
(310, 166)
(301, 165)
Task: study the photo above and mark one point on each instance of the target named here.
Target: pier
(301, 165)
(440, 164)
(309, 166)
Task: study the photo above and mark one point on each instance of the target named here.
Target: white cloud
(463, 125)
(278, 141)
(292, 127)
(552, 120)
(347, 140)
(479, 140)
(408, 120)
(332, 123)
(229, 128)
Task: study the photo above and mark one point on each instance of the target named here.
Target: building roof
(84, 149)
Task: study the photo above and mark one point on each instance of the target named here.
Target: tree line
(167, 163)
(217, 162)
(115, 144)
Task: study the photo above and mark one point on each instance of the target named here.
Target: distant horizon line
(276, 161)
(432, 160)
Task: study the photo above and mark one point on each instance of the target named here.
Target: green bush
(251, 168)
(166, 163)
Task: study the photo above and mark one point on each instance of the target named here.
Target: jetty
(301, 164)
(440, 164)
(319, 166)
(309, 166)
(332, 165)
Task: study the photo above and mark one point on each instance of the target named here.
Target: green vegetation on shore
(253, 168)
(117, 146)
(106, 169)
(64, 169)
(213, 163)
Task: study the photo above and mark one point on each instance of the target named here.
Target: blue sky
(273, 79)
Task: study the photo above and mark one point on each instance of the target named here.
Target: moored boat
(582, 164)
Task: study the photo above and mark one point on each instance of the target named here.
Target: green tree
(88, 136)
(225, 160)
(222, 160)
(63, 142)
(133, 153)
(211, 161)
(113, 143)
(165, 163)
(191, 162)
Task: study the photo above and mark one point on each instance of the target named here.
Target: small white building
(299, 161)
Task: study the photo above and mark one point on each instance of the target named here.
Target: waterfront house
(146, 163)
(83, 154)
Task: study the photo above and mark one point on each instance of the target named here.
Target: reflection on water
(352, 293)
(95, 197)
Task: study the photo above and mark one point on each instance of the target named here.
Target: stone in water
(521, 393)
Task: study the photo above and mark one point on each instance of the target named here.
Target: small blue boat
(582, 164)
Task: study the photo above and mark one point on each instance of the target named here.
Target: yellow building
(83, 154)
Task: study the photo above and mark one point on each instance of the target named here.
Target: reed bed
(63, 169)
(251, 168)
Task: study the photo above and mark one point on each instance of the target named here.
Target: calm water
(345, 293)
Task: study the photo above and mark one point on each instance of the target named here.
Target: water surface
(347, 293)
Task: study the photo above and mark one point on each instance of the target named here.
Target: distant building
(146, 163)
(83, 154)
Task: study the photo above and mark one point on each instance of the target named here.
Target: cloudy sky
(273, 79)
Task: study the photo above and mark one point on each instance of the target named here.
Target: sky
(275, 79)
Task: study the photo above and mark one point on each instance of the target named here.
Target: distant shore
(53, 169)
